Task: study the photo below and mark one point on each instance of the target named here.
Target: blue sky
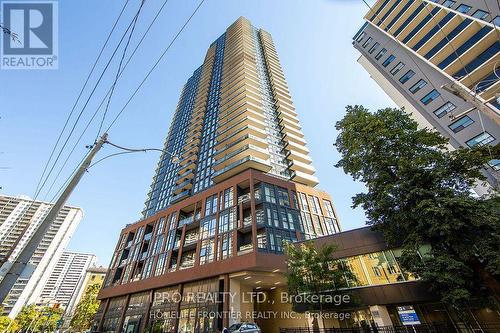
(313, 40)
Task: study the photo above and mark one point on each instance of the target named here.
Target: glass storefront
(112, 316)
(135, 313)
(199, 307)
(163, 314)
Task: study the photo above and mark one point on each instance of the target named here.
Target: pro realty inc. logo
(29, 37)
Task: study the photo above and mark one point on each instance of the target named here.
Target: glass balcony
(247, 221)
(186, 220)
(245, 249)
(147, 237)
(180, 196)
(244, 198)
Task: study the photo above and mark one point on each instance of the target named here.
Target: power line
(159, 11)
(41, 184)
(86, 103)
(80, 94)
(155, 65)
(118, 70)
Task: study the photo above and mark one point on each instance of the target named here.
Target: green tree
(419, 193)
(7, 325)
(33, 318)
(86, 309)
(312, 270)
(27, 317)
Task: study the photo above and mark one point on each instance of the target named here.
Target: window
(303, 202)
(449, 3)
(417, 86)
(226, 247)
(283, 198)
(463, 9)
(480, 139)
(407, 76)
(446, 40)
(361, 36)
(461, 123)
(496, 21)
(329, 208)
(227, 220)
(368, 41)
(388, 60)
(480, 14)
(317, 207)
(495, 164)
(269, 193)
(211, 205)
(373, 48)
(228, 197)
(430, 97)
(381, 54)
(444, 109)
(409, 19)
(207, 251)
(207, 227)
(479, 60)
(465, 46)
(397, 68)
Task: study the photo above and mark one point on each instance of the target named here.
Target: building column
(380, 315)
(101, 320)
(122, 316)
(225, 304)
(147, 314)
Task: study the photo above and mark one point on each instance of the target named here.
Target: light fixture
(247, 277)
(276, 270)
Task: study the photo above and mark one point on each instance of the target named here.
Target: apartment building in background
(412, 48)
(19, 218)
(66, 278)
(92, 276)
(240, 185)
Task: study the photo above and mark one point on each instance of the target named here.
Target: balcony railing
(186, 220)
(180, 196)
(244, 198)
(245, 249)
(247, 221)
(191, 238)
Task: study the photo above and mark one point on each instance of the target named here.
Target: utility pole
(29, 249)
(460, 91)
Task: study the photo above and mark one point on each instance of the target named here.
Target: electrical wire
(451, 44)
(119, 69)
(142, 82)
(41, 182)
(86, 103)
(158, 12)
(81, 92)
(155, 65)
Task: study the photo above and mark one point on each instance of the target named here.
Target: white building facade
(20, 216)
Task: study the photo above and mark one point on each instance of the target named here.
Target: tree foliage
(312, 270)
(419, 192)
(33, 318)
(7, 325)
(86, 309)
